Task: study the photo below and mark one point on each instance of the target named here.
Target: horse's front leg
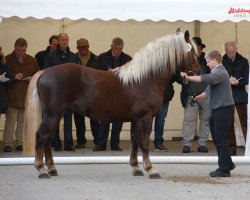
(144, 135)
(135, 145)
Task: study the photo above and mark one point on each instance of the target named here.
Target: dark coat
(169, 91)
(40, 57)
(3, 92)
(194, 89)
(59, 57)
(92, 62)
(107, 60)
(238, 68)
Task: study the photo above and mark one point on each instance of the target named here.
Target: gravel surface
(115, 181)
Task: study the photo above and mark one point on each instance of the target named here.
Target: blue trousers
(220, 121)
(104, 133)
(81, 128)
(159, 124)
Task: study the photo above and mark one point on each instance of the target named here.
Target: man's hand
(233, 81)
(183, 75)
(19, 76)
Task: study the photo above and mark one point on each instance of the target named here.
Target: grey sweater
(219, 88)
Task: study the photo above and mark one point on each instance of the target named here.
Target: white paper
(3, 78)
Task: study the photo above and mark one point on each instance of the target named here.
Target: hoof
(155, 176)
(138, 172)
(43, 176)
(53, 173)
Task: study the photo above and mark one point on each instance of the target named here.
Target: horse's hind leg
(144, 136)
(39, 165)
(44, 136)
(49, 161)
(51, 125)
(135, 145)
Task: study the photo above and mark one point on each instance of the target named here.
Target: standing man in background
(195, 111)
(161, 116)
(86, 58)
(111, 59)
(21, 66)
(60, 56)
(41, 55)
(238, 69)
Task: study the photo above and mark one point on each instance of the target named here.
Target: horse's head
(190, 62)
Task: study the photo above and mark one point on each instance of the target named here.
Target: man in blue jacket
(41, 55)
(60, 56)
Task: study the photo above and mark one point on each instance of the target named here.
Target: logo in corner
(239, 12)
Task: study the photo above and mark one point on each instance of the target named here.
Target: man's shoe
(7, 149)
(99, 148)
(57, 148)
(79, 146)
(19, 148)
(218, 173)
(160, 148)
(186, 149)
(232, 167)
(202, 149)
(69, 149)
(116, 148)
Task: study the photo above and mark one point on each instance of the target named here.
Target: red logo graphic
(238, 10)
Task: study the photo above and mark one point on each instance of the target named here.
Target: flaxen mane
(158, 55)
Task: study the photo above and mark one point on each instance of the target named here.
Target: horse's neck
(161, 81)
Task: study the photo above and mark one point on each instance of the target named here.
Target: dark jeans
(104, 133)
(219, 122)
(81, 129)
(68, 140)
(242, 113)
(159, 124)
(95, 125)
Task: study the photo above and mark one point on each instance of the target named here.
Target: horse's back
(74, 86)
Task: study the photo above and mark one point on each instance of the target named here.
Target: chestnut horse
(132, 93)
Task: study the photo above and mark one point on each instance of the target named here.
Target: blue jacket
(107, 60)
(40, 57)
(59, 57)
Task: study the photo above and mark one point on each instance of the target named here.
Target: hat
(198, 42)
(82, 42)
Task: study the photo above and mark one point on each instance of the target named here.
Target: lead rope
(193, 101)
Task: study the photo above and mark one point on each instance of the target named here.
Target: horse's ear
(187, 36)
(178, 30)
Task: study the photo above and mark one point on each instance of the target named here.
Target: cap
(82, 42)
(198, 42)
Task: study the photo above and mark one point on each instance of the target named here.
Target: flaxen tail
(32, 116)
